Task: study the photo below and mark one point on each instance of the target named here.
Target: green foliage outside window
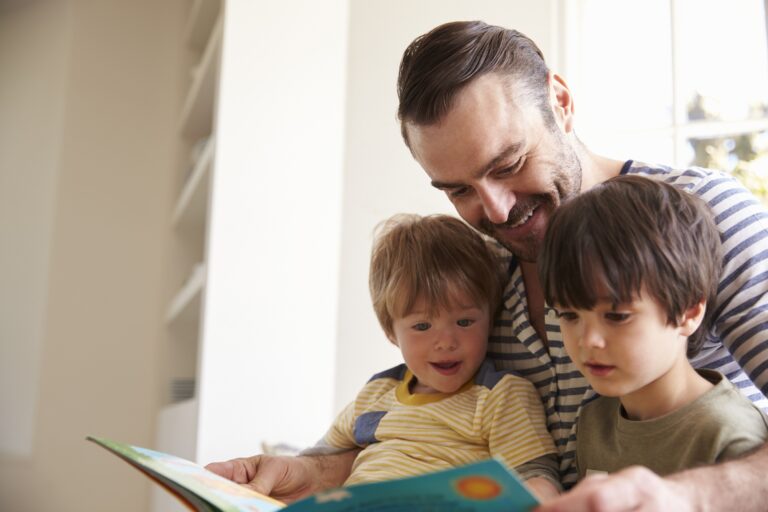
(744, 155)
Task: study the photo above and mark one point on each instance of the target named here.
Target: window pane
(626, 64)
(744, 155)
(649, 148)
(722, 58)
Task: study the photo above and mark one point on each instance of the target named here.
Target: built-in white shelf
(192, 206)
(202, 16)
(197, 113)
(184, 308)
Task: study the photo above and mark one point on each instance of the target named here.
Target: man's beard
(527, 248)
(566, 183)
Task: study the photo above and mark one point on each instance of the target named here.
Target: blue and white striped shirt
(741, 318)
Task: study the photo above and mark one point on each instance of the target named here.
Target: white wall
(33, 56)
(85, 133)
(270, 308)
(380, 176)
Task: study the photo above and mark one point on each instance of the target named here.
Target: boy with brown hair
(632, 268)
(435, 289)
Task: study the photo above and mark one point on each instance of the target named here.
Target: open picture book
(481, 486)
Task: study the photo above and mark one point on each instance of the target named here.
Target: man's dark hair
(632, 234)
(438, 64)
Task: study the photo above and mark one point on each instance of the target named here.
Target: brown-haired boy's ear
(692, 318)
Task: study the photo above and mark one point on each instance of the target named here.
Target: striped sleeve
(341, 434)
(741, 315)
(515, 423)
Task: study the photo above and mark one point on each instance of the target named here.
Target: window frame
(567, 57)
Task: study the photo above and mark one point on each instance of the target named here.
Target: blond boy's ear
(692, 318)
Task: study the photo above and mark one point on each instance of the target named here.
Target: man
(494, 129)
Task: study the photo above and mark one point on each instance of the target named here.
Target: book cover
(485, 486)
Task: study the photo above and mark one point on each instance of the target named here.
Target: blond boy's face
(443, 350)
(628, 351)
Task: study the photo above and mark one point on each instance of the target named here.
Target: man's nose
(497, 201)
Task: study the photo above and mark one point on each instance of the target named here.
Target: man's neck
(595, 168)
(535, 296)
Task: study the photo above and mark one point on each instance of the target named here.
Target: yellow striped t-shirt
(403, 434)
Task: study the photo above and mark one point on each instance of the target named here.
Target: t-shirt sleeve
(515, 424)
(745, 434)
(341, 434)
(339, 438)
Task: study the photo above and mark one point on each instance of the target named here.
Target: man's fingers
(240, 471)
(283, 478)
(262, 485)
(221, 468)
(600, 493)
(632, 489)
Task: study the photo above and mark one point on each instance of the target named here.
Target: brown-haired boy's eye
(616, 316)
(567, 315)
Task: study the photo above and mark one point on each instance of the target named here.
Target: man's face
(502, 167)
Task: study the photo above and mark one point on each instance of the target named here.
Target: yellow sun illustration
(478, 487)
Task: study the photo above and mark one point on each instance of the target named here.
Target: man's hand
(287, 478)
(635, 488)
(284, 478)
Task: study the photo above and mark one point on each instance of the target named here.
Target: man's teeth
(523, 220)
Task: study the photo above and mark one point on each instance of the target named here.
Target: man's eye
(459, 192)
(512, 169)
(616, 317)
(421, 326)
(465, 322)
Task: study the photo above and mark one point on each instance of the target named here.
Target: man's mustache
(518, 212)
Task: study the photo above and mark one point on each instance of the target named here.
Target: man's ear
(561, 101)
(692, 318)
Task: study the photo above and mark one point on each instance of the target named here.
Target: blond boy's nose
(446, 341)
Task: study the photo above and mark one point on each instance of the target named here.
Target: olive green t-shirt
(719, 425)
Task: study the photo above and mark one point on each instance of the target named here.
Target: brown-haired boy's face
(503, 169)
(629, 350)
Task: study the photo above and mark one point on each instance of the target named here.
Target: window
(672, 81)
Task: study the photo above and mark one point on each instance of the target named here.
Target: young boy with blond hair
(632, 268)
(435, 289)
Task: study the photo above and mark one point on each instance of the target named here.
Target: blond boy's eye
(465, 322)
(421, 326)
